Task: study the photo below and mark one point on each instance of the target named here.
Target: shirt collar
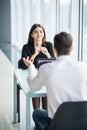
(63, 57)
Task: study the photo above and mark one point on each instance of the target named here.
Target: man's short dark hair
(63, 43)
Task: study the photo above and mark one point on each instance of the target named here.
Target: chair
(70, 116)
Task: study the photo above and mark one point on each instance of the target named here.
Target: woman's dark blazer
(28, 50)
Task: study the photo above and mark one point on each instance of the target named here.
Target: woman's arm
(37, 51)
(21, 64)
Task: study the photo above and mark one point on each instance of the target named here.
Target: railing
(12, 52)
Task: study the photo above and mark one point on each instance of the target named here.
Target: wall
(5, 25)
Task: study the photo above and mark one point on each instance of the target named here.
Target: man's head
(63, 43)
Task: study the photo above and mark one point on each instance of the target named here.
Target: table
(20, 76)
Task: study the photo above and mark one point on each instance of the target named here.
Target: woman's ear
(32, 35)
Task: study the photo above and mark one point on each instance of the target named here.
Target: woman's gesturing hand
(45, 51)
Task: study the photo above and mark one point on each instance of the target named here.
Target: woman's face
(37, 34)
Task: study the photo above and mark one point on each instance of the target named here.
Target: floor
(8, 59)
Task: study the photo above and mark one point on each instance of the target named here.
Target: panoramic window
(85, 30)
(65, 15)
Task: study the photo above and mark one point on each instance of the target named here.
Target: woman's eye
(35, 32)
(41, 31)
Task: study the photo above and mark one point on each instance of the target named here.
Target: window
(85, 30)
(65, 15)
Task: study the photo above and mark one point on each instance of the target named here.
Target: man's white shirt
(65, 80)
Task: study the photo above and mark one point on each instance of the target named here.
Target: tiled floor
(7, 61)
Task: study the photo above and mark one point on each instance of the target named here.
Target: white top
(65, 80)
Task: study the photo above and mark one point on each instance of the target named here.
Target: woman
(37, 47)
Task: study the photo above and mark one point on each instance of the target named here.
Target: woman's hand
(45, 51)
(27, 61)
(37, 51)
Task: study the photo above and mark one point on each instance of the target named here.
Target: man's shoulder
(82, 64)
(47, 66)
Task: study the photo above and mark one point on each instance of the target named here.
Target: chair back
(70, 116)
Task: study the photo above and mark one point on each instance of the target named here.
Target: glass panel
(65, 15)
(49, 18)
(46, 16)
(53, 20)
(75, 23)
(85, 30)
(35, 11)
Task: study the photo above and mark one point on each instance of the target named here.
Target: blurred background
(17, 16)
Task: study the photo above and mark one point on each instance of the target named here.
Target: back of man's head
(63, 43)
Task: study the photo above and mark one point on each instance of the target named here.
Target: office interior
(16, 19)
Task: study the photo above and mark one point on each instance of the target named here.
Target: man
(65, 80)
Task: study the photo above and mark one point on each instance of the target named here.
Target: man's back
(66, 81)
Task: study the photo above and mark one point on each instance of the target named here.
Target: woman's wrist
(33, 56)
(48, 55)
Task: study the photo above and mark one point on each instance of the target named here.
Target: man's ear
(55, 51)
(71, 48)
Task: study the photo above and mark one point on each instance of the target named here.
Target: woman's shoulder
(47, 43)
(28, 45)
(25, 45)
